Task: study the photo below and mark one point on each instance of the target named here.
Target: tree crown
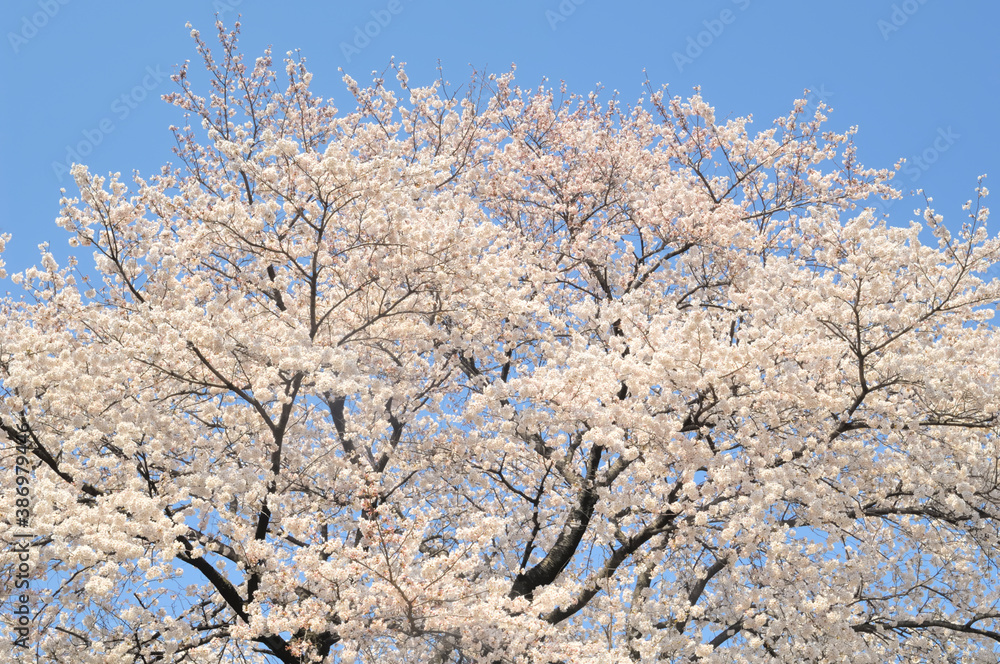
(494, 374)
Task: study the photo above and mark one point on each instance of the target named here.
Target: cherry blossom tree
(502, 375)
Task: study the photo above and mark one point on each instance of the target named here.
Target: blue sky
(921, 78)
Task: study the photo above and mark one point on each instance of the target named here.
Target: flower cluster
(505, 376)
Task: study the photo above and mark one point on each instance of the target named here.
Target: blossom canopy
(491, 374)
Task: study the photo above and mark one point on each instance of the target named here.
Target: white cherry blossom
(489, 374)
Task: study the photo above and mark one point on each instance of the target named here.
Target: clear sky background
(921, 78)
